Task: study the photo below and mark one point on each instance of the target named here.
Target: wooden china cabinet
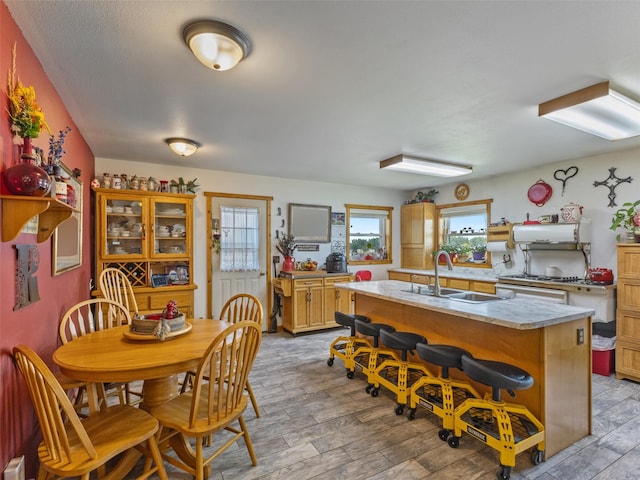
(148, 236)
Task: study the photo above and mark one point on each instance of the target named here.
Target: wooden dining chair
(212, 405)
(115, 285)
(74, 448)
(94, 315)
(240, 307)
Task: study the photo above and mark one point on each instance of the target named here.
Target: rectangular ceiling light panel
(405, 163)
(597, 110)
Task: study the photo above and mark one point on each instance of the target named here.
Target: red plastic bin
(603, 362)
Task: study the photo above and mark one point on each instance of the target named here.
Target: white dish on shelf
(171, 211)
(178, 228)
(162, 234)
(118, 209)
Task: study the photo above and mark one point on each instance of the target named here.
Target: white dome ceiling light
(215, 44)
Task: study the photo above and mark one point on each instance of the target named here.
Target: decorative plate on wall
(461, 191)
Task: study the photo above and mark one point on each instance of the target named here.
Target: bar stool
(506, 427)
(344, 347)
(399, 375)
(369, 358)
(441, 395)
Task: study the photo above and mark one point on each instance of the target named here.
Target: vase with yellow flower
(26, 120)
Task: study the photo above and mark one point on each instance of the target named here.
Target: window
(240, 239)
(463, 229)
(368, 234)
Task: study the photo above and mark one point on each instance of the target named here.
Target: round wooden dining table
(111, 356)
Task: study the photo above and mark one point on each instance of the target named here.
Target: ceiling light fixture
(217, 45)
(182, 146)
(406, 163)
(598, 110)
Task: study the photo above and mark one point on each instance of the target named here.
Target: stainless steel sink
(474, 297)
(423, 290)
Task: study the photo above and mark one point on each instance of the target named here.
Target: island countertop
(520, 314)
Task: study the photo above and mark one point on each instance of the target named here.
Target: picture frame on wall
(66, 240)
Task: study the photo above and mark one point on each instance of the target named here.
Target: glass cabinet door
(170, 229)
(125, 227)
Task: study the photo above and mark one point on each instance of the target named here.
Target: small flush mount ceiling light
(217, 45)
(406, 163)
(182, 146)
(598, 110)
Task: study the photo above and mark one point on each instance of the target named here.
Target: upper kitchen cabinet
(417, 235)
(148, 236)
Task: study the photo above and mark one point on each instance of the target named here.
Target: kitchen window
(462, 230)
(368, 234)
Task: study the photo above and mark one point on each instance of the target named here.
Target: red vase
(289, 264)
(26, 178)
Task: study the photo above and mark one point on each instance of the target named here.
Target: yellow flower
(26, 116)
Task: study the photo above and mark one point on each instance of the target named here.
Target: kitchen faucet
(436, 278)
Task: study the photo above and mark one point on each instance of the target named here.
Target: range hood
(553, 236)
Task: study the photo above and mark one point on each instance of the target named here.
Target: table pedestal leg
(157, 391)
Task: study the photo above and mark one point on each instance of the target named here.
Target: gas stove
(568, 283)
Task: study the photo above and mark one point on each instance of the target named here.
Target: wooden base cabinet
(628, 312)
(310, 302)
(148, 236)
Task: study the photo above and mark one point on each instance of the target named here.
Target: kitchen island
(552, 342)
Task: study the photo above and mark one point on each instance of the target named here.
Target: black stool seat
(373, 329)
(445, 356)
(497, 375)
(404, 341)
(348, 320)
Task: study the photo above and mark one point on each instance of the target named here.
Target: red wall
(36, 324)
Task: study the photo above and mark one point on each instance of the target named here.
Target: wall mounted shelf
(18, 210)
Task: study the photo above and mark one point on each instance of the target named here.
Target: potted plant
(286, 246)
(628, 218)
(429, 197)
(462, 252)
(478, 247)
(450, 249)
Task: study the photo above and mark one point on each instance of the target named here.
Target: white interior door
(241, 264)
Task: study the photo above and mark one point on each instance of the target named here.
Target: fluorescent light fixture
(218, 45)
(182, 146)
(406, 163)
(598, 110)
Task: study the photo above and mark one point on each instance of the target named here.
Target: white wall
(509, 194)
(283, 191)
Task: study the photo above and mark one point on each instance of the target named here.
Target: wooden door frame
(209, 242)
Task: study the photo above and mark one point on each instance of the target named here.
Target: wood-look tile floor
(318, 424)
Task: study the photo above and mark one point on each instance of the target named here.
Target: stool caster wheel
(350, 374)
(443, 434)
(368, 388)
(330, 362)
(399, 409)
(374, 391)
(412, 414)
(453, 441)
(536, 456)
(503, 473)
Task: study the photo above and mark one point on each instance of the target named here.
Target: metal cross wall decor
(607, 182)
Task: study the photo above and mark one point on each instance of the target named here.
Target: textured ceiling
(331, 88)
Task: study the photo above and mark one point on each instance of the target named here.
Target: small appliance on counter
(600, 276)
(336, 263)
